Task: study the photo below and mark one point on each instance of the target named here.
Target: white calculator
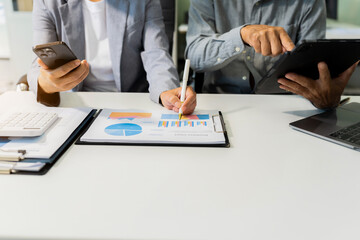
(26, 124)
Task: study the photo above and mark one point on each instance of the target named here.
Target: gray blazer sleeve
(160, 69)
(43, 32)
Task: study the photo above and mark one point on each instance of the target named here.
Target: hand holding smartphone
(60, 68)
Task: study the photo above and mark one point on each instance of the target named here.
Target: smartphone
(54, 54)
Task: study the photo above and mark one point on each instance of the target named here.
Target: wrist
(43, 86)
(160, 99)
(48, 99)
(326, 107)
(243, 34)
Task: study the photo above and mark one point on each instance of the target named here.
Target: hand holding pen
(182, 99)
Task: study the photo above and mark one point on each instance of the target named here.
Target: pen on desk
(345, 100)
(184, 85)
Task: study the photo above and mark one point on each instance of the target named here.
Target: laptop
(341, 125)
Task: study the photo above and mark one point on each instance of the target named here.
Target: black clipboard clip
(218, 124)
(9, 158)
(12, 155)
(8, 169)
(219, 127)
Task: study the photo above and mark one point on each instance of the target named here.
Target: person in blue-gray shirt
(235, 42)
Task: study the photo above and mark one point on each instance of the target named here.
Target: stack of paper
(38, 149)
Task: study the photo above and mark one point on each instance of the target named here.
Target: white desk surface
(272, 183)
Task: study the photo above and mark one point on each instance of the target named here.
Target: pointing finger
(286, 41)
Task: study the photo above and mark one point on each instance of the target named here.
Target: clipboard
(221, 129)
(57, 154)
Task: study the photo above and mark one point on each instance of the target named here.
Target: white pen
(184, 85)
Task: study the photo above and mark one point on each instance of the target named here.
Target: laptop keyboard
(350, 134)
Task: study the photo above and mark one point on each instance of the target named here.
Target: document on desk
(156, 128)
(39, 150)
(45, 145)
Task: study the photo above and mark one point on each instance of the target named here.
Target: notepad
(156, 128)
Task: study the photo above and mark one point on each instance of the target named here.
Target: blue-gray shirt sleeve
(313, 23)
(210, 48)
(207, 49)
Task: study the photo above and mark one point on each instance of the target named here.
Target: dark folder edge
(61, 150)
(226, 144)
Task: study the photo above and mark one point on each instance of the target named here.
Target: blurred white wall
(4, 44)
(19, 27)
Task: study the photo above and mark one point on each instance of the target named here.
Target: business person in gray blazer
(124, 44)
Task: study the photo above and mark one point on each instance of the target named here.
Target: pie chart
(123, 129)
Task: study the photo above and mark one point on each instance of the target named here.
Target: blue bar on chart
(202, 123)
(175, 124)
(179, 124)
(188, 124)
(164, 124)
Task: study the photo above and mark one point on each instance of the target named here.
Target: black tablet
(339, 54)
